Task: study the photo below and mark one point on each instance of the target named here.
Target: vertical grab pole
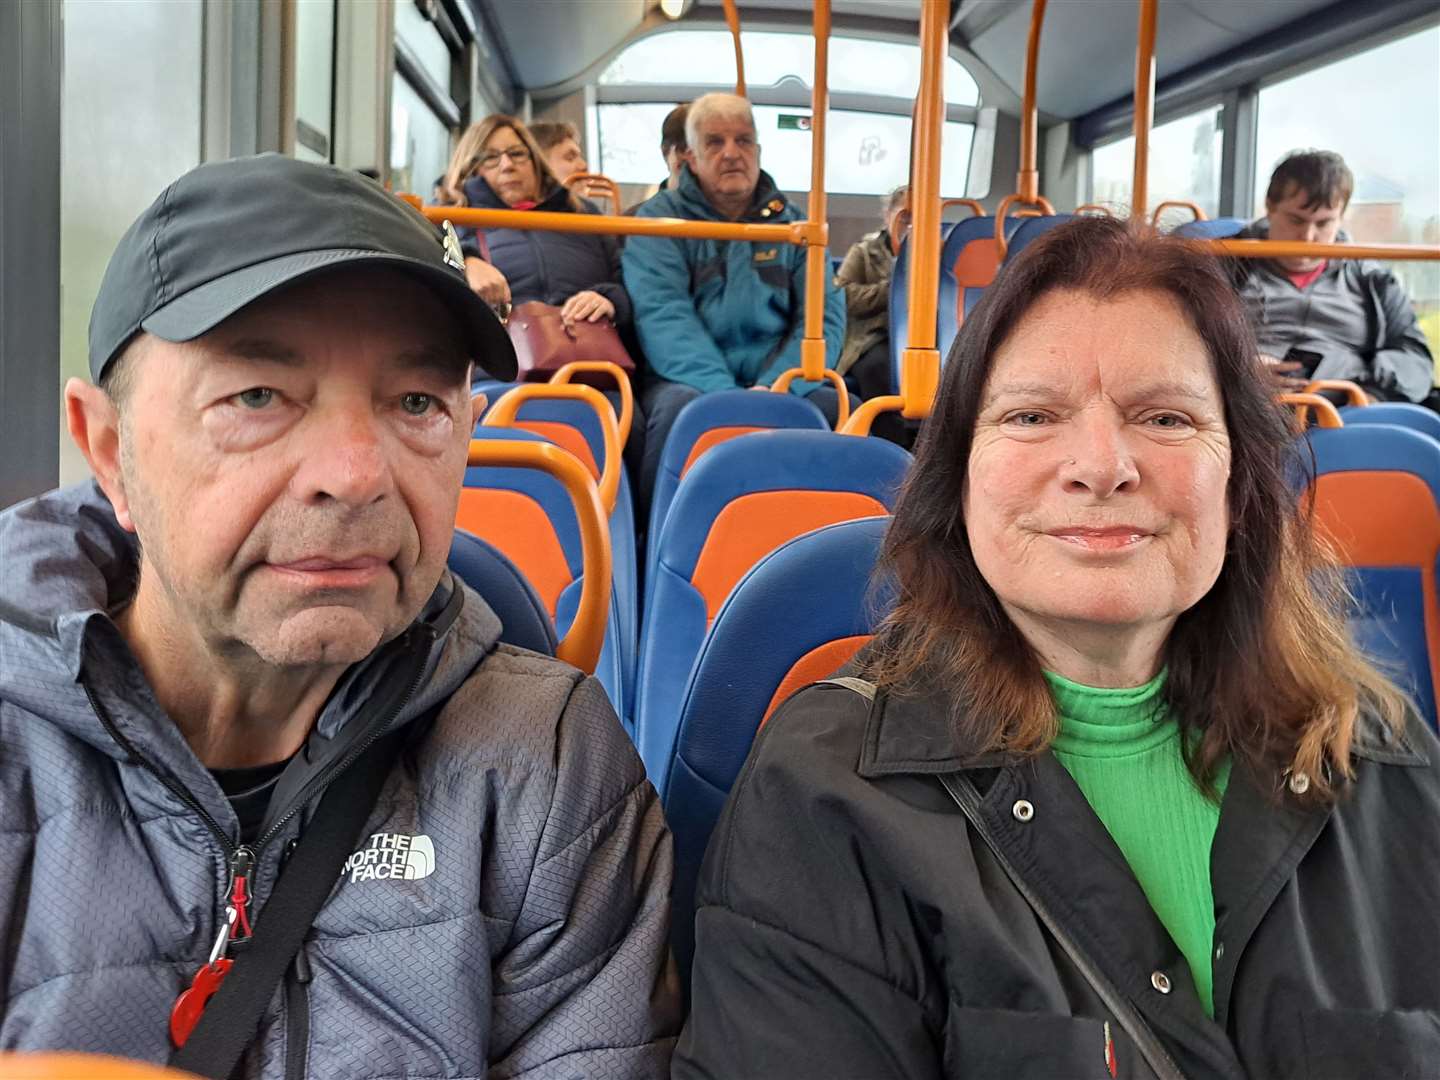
(1027, 183)
(920, 361)
(1144, 108)
(812, 346)
(732, 19)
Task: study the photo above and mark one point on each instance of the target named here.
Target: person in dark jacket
(498, 165)
(1328, 319)
(1110, 793)
(247, 604)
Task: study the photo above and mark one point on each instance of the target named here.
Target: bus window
(1184, 164)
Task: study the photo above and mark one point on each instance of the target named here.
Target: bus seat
(1030, 228)
(573, 426)
(1399, 413)
(529, 518)
(706, 422)
(524, 621)
(1377, 500)
(740, 502)
(798, 616)
(1211, 229)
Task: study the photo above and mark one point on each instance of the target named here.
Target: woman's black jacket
(548, 266)
(854, 922)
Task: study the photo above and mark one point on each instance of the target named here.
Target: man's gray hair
(893, 201)
(715, 107)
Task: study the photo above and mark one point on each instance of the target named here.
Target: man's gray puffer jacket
(525, 936)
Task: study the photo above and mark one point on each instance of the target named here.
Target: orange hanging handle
(863, 418)
(1326, 415)
(622, 382)
(595, 185)
(1002, 246)
(503, 414)
(830, 375)
(1352, 392)
(1094, 208)
(582, 644)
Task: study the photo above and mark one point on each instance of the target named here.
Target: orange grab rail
(1352, 391)
(63, 1066)
(1182, 204)
(1094, 208)
(504, 411)
(817, 270)
(1325, 412)
(622, 383)
(595, 186)
(1144, 106)
(582, 644)
(1002, 245)
(1027, 182)
(782, 386)
(862, 418)
(976, 210)
(1296, 249)
(473, 217)
(732, 19)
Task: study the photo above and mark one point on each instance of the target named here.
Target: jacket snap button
(1219, 950)
(1299, 783)
(1022, 810)
(1160, 981)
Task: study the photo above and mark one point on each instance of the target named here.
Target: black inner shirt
(249, 792)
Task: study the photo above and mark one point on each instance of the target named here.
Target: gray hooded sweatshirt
(506, 915)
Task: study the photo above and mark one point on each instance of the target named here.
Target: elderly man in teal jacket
(720, 315)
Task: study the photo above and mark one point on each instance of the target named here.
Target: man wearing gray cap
(274, 801)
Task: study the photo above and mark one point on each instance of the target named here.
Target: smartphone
(1307, 360)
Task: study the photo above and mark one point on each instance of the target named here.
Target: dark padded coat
(522, 936)
(856, 924)
(549, 267)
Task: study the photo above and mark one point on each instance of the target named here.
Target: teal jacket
(718, 314)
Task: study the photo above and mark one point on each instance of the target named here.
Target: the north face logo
(392, 857)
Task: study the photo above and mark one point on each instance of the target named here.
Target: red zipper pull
(242, 862)
(185, 1013)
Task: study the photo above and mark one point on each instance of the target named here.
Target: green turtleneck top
(1124, 754)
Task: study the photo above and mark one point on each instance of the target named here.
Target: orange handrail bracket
(1353, 393)
(1296, 249)
(504, 412)
(1002, 243)
(1144, 106)
(817, 270)
(595, 185)
(474, 217)
(414, 200)
(582, 644)
(830, 375)
(976, 209)
(732, 19)
(622, 383)
(919, 381)
(1326, 415)
(1027, 182)
(1181, 204)
(863, 417)
(1095, 209)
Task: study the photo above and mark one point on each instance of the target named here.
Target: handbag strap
(232, 1017)
(484, 245)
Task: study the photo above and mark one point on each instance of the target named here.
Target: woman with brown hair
(1111, 793)
(498, 165)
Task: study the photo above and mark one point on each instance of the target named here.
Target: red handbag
(544, 342)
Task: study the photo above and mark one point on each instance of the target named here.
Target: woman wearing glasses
(498, 165)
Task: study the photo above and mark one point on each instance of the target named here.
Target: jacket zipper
(1134, 1025)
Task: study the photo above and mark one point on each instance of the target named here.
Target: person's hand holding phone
(1288, 376)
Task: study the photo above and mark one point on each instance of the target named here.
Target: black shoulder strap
(232, 1017)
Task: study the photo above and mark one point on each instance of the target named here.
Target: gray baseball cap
(228, 233)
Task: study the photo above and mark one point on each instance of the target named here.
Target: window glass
(419, 142)
(707, 58)
(865, 153)
(1184, 164)
(1380, 110)
(314, 79)
(419, 33)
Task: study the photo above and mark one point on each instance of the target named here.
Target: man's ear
(688, 156)
(94, 424)
(478, 402)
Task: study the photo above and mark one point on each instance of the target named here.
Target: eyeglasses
(518, 155)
